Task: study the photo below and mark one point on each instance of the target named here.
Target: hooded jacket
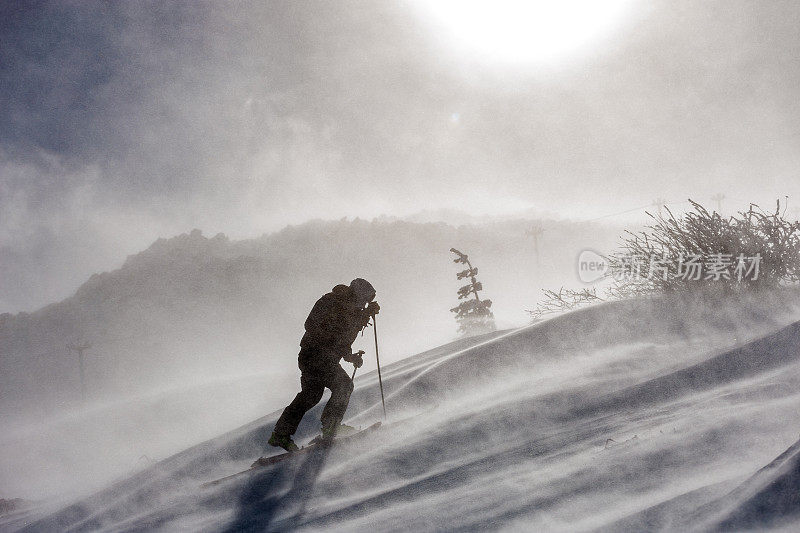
(332, 325)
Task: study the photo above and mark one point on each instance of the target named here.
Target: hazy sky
(122, 122)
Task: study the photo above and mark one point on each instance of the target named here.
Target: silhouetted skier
(331, 328)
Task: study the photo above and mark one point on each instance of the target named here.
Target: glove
(355, 358)
(373, 308)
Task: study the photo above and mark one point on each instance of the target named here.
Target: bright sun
(515, 31)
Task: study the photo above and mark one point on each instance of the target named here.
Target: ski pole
(378, 361)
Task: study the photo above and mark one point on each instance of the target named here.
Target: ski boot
(340, 430)
(283, 441)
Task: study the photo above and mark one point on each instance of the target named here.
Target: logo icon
(592, 266)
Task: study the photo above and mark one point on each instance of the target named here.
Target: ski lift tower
(80, 348)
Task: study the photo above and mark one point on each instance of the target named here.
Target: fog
(193, 309)
(587, 420)
(180, 182)
(122, 123)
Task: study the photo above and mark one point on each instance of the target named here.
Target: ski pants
(313, 382)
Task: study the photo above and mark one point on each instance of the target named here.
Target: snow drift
(631, 416)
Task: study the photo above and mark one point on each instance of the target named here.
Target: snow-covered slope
(637, 415)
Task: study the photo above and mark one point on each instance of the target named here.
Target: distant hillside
(194, 305)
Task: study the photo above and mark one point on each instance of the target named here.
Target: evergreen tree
(473, 315)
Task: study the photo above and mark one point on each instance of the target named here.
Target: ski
(315, 443)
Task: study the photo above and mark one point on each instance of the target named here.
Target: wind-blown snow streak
(638, 415)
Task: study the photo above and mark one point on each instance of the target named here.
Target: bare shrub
(702, 251)
(697, 254)
(563, 300)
